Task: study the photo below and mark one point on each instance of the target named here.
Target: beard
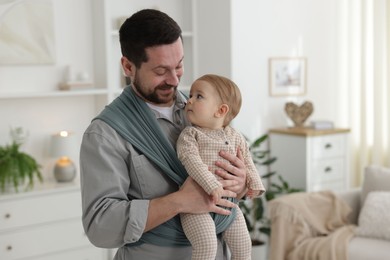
(154, 96)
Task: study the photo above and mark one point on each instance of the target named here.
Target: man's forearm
(191, 198)
(162, 209)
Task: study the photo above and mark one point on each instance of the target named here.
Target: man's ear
(128, 67)
(222, 110)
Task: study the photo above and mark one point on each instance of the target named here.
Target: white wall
(261, 29)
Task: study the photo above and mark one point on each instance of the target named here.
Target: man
(130, 174)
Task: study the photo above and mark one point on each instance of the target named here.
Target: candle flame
(64, 133)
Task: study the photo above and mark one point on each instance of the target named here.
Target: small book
(323, 124)
(76, 85)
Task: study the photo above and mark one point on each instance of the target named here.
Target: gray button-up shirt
(117, 183)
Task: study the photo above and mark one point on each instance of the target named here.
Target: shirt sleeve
(109, 218)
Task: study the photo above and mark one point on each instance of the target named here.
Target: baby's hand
(216, 194)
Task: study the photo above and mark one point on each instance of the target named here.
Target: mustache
(166, 86)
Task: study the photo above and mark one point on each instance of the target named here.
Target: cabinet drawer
(328, 146)
(43, 239)
(39, 209)
(338, 185)
(87, 253)
(327, 170)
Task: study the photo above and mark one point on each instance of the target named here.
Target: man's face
(156, 81)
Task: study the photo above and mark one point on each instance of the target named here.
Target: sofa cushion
(362, 248)
(374, 218)
(376, 178)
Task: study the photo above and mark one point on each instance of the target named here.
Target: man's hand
(233, 174)
(197, 201)
(191, 198)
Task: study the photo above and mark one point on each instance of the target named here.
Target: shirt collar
(180, 104)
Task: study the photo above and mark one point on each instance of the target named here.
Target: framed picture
(287, 76)
(27, 32)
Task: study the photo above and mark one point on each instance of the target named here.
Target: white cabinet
(311, 159)
(108, 13)
(45, 224)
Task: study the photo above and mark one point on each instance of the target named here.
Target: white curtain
(365, 70)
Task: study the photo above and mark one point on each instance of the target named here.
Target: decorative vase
(64, 171)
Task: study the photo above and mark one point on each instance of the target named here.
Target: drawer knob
(9, 248)
(7, 215)
(328, 146)
(328, 169)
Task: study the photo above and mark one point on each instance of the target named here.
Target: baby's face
(203, 105)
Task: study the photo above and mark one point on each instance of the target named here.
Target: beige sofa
(371, 214)
(317, 225)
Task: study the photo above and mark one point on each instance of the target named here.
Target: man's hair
(229, 93)
(146, 28)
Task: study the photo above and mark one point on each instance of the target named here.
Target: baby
(213, 103)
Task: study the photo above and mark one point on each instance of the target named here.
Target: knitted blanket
(306, 226)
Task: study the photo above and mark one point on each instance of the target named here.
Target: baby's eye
(199, 96)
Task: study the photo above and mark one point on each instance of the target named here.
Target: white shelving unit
(43, 110)
(40, 108)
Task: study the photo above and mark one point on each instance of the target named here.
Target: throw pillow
(376, 178)
(374, 218)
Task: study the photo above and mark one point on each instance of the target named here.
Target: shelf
(49, 94)
(44, 188)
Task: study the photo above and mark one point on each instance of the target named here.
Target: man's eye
(160, 72)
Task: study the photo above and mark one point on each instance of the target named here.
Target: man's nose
(173, 79)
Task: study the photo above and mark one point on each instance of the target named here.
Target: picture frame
(287, 76)
(27, 32)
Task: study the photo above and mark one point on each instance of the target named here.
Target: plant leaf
(259, 141)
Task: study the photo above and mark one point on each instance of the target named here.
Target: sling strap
(132, 119)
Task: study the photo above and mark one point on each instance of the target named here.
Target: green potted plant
(254, 210)
(17, 167)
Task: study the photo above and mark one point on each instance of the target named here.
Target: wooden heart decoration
(299, 114)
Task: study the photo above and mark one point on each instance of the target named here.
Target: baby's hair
(229, 93)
